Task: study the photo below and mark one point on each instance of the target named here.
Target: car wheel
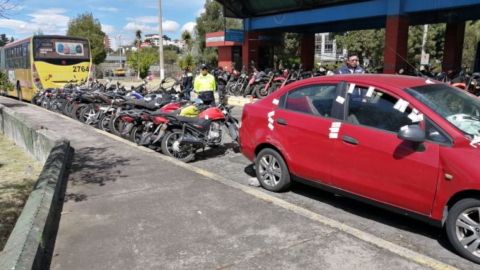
(272, 171)
(463, 228)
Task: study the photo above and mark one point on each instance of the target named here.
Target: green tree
(187, 62)
(367, 43)
(212, 20)
(12, 39)
(3, 40)
(170, 57)
(84, 25)
(289, 52)
(172, 48)
(187, 38)
(147, 57)
(472, 37)
(433, 46)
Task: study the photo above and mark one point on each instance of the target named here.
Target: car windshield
(456, 106)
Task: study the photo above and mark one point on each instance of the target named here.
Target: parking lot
(228, 162)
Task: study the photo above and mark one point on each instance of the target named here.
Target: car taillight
(36, 77)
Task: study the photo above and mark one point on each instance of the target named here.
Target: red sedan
(407, 144)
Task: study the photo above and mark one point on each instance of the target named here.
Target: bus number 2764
(80, 68)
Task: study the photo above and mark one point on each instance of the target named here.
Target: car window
(434, 134)
(313, 99)
(379, 110)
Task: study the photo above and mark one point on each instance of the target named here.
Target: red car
(407, 144)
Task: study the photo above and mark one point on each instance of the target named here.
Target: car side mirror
(412, 133)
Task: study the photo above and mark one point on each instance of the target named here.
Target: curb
(29, 241)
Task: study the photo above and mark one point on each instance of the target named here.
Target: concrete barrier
(37, 225)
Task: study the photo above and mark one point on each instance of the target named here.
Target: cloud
(199, 12)
(144, 19)
(108, 29)
(40, 19)
(167, 26)
(190, 26)
(111, 9)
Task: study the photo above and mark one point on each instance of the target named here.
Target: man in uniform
(204, 86)
(221, 83)
(187, 83)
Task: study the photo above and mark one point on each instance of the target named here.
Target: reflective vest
(204, 83)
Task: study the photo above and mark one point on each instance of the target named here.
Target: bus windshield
(60, 48)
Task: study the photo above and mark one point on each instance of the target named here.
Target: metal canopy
(255, 8)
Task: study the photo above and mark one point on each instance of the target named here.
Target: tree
(367, 43)
(170, 57)
(211, 21)
(146, 57)
(165, 37)
(5, 7)
(289, 52)
(470, 43)
(172, 48)
(3, 40)
(38, 33)
(12, 40)
(138, 41)
(187, 62)
(433, 46)
(87, 26)
(187, 38)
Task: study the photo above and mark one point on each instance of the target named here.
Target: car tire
(272, 171)
(467, 235)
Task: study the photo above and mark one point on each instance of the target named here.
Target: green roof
(256, 8)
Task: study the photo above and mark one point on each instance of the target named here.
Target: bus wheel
(19, 92)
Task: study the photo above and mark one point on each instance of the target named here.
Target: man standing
(204, 86)
(187, 83)
(221, 83)
(351, 67)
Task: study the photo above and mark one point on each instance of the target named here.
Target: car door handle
(349, 140)
(281, 121)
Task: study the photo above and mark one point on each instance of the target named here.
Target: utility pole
(160, 33)
(424, 41)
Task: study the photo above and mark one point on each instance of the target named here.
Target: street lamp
(160, 33)
(120, 46)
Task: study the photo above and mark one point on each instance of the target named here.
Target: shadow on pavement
(94, 166)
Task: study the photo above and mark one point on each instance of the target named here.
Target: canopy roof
(255, 8)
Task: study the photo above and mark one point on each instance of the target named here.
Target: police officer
(221, 83)
(204, 86)
(187, 83)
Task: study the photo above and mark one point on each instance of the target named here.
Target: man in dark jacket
(221, 78)
(187, 83)
(351, 67)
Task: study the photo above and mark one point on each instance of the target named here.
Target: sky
(117, 17)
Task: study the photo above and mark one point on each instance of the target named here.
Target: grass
(18, 174)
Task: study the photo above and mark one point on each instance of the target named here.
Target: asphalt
(127, 208)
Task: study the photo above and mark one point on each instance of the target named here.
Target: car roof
(400, 81)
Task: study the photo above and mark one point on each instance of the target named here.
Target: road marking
(381, 243)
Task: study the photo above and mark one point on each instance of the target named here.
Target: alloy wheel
(270, 170)
(468, 230)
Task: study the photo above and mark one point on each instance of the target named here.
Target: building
(106, 41)
(325, 48)
(155, 41)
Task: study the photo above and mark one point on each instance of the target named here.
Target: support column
(453, 47)
(396, 42)
(225, 57)
(307, 51)
(250, 49)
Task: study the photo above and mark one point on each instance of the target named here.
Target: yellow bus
(45, 61)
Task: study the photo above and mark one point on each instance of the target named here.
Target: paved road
(128, 208)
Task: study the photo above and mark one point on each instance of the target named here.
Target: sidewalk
(129, 209)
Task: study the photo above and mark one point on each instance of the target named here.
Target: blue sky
(118, 17)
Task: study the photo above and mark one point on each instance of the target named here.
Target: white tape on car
(275, 101)
(476, 140)
(272, 113)
(336, 124)
(333, 136)
(351, 88)
(404, 128)
(340, 100)
(334, 130)
(270, 126)
(401, 105)
(370, 91)
(270, 120)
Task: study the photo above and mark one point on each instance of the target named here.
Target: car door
(302, 126)
(372, 162)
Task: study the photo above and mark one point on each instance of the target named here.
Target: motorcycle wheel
(136, 134)
(84, 114)
(35, 99)
(116, 125)
(172, 148)
(260, 90)
(76, 112)
(104, 122)
(274, 87)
